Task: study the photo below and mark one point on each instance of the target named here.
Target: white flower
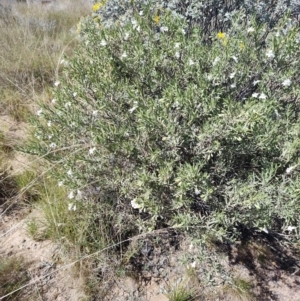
(183, 31)
(177, 45)
(256, 82)
(250, 29)
(255, 95)
(135, 205)
(177, 54)
(53, 101)
(286, 83)
(191, 246)
(60, 183)
(69, 172)
(164, 29)
(262, 96)
(134, 23)
(138, 28)
(79, 194)
(95, 113)
(52, 145)
(39, 112)
(141, 13)
(126, 36)
(124, 54)
(50, 137)
(193, 264)
(197, 191)
(74, 94)
(232, 75)
(71, 195)
(191, 62)
(68, 104)
(270, 54)
(49, 123)
(233, 85)
(71, 207)
(103, 43)
(92, 150)
(290, 169)
(291, 228)
(235, 59)
(132, 109)
(216, 60)
(57, 83)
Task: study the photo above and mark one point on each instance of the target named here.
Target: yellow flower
(242, 46)
(98, 5)
(220, 35)
(156, 19)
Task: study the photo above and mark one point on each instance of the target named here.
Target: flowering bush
(167, 130)
(211, 15)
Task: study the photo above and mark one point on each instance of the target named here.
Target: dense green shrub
(166, 130)
(212, 15)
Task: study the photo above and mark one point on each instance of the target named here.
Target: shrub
(167, 130)
(213, 15)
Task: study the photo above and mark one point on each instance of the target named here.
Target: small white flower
(235, 59)
(124, 55)
(68, 104)
(141, 13)
(126, 36)
(233, 85)
(95, 113)
(134, 23)
(60, 183)
(262, 96)
(50, 137)
(286, 83)
(191, 246)
(193, 264)
(177, 45)
(255, 95)
(53, 101)
(103, 43)
(291, 228)
(52, 145)
(79, 194)
(74, 94)
(138, 28)
(216, 60)
(57, 83)
(177, 54)
(290, 169)
(250, 29)
(132, 109)
(71, 207)
(183, 31)
(164, 29)
(256, 82)
(191, 62)
(69, 172)
(197, 191)
(49, 123)
(232, 75)
(135, 205)
(270, 54)
(92, 150)
(39, 112)
(71, 195)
